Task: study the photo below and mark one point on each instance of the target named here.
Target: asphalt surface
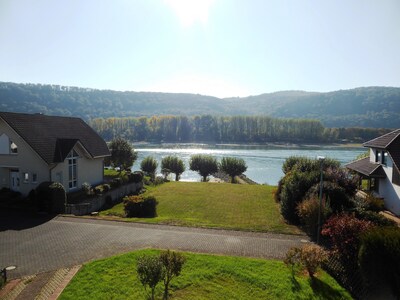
(37, 244)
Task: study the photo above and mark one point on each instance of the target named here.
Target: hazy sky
(213, 47)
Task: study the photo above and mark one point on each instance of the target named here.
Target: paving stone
(63, 242)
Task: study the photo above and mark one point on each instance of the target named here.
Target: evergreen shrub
(140, 207)
(379, 257)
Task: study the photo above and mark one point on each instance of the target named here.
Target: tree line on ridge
(226, 129)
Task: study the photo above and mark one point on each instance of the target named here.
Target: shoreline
(250, 145)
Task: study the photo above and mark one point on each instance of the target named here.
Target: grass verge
(203, 277)
(203, 204)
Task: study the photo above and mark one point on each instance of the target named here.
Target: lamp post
(4, 272)
(321, 161)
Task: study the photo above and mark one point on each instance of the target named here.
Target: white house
(382, 168)
(36, 148)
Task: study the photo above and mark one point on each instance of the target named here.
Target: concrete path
(42, 244)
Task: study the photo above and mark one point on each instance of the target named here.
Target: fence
(95, 203)
(349, 277)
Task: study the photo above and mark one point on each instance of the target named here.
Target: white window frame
(72, 159)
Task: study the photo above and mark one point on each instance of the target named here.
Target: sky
(223, 48)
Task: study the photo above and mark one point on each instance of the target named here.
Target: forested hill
(363, 107)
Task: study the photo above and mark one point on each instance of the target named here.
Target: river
(264, 163)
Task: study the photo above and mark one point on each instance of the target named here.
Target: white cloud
(191, 11)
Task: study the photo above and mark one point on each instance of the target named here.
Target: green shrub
(379, 257)
(86, 187)
(172, 264)
(7, 194)
(150, 272)
(312, 256)
(339, 200)
(140, 207)
(153, 269)
(158, 180)
(373, 217)
(308, 211)
(293, 189)
(149, 166)
(51, 197)
(106, 187)
(293, 260)
(136, 177)
(116, 182)
(374, 203)
(305, 164)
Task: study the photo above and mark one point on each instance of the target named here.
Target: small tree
(205, 165)
(172, 263)
(149, 166)
(309, 257)
(173, 164)
(233, 166)
(153, 269)
(122, 154)
(312, 256)
(150, 272)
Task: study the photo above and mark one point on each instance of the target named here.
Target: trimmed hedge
(379, 257)
(50, 197)
(140, 207)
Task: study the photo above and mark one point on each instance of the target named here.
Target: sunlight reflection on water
(264, 163)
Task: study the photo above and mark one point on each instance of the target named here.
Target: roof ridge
(380, 137)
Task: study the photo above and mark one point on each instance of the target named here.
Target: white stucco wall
(88, 170)
(389, 191)
(25, 161)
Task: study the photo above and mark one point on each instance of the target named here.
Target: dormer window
(384, 157)
(378, 156)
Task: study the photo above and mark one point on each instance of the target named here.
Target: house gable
(49, 136)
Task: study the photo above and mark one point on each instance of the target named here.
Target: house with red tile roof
(382, 168)
(35, 148)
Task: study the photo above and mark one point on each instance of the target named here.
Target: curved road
(37, 244)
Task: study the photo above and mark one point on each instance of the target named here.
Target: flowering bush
(344, 232)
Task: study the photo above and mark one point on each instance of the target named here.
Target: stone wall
(95, 203)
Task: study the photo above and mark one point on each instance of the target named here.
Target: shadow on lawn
(323, 290)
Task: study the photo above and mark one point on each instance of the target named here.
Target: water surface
(264, 163)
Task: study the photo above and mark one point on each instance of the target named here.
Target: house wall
(389, 191)
(372, 155)
(25, 161)
(88, 170)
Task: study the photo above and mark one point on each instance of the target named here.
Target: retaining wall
(95, 203)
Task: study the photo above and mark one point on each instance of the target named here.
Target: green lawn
(203, 277)
(220, 205)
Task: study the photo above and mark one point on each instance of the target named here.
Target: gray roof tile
(53, 137)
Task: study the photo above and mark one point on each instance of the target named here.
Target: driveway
(37, 244)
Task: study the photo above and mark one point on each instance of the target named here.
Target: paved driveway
(37, 244)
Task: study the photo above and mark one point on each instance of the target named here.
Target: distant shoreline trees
(219, 129)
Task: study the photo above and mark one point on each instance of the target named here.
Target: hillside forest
(372, 107)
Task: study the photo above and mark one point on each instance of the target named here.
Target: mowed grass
(203, 277)
(218, 205)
